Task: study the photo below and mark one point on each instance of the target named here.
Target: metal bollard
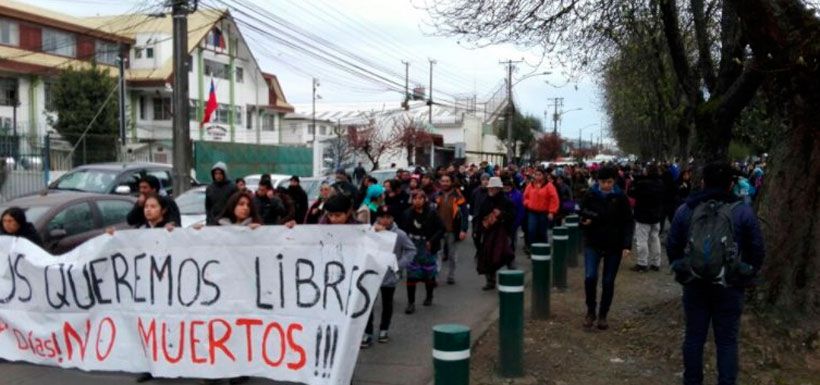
(560, 247)
(541, 280)
(571, 222)
(451, 354)
(511, 322)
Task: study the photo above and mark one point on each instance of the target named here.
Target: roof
(18, 60)
(280, 102)
(122, 166)
(52, 199)
(25, 11)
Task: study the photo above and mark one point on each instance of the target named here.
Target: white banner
(286, 304)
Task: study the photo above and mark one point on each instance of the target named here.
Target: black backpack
(711, 252)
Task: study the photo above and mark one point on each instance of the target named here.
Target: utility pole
(430, 99)
(182, 130)
(316, 147)
(406, 103)
(510, 109)
(315, 85)
(556, 116)
(121, 107)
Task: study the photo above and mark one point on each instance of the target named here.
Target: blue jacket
(746, 228)
(518, 206)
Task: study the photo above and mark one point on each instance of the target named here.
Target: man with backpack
(715, 249)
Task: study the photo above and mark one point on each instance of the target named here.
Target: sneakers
(589, 321)
(410, 309)
(383, 337)
(602, 324)
(367, 341)
(428, 302)
(639, 269)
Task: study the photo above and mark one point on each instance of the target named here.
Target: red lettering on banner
(214, 343)
(69, 332)
(300, 351)
(113, 336)
(194, 341)
(248, 323)
(273, 325)
(181, 350)
(148, 337)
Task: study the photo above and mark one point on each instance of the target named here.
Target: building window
(149, 52)
(143, 108)
(106, 52)
(216, 69)
(237, 115)
(8, 91)
(311, 129)
(162, 108)
(59, 43)
(268, 122)
(240, 74)
(9, 32)
(48, 93)
(323, 130)
(249, 121)
(192, 109)
(137, 53)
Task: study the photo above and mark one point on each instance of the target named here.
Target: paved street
(405, 360)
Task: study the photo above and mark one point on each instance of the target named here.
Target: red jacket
(542, 200)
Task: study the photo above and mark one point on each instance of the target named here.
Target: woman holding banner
(16, 225)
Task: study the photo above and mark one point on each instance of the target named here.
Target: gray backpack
(711, 250)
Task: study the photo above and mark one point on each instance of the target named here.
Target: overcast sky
(386, 32)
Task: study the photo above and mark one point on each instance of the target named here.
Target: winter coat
(310, 217)
(517, 200)
(611, 227)
(650, 195)
(477, 199)
(136, 217)
(217, 195)
(500, 202)
(426, 224)
(227, 222)
(542, 199)
(271, 210)
(746, 229)
(300, 202)
(397, 204)
(458, 208)
(404, 250)
(26, 231)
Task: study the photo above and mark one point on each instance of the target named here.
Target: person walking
(517, 199)
(491, 233)
(650, 194)
(15, 224)
(404, 250)
(358, 173)
(715, 248)
(541, 202)
(607, 225)
(217, 193)
(149, 184)
(425, 229)
(452, 210)
(395, 198)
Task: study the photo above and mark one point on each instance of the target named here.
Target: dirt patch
(642, 346)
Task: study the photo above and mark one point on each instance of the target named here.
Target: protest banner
(285, 304)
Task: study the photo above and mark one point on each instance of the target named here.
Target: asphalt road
(405, 360)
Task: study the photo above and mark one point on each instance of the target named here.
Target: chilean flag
(218, 39)
(211, 105)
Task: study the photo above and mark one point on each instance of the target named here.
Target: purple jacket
(746, 228)
(518, 207)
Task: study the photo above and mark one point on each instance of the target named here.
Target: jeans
(450, 253)
(648, 244)
(537, 226)
(705, 304)
(387, 311)
(592, 260)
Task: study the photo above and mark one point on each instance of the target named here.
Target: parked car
(192, 206)
(383, 175)
(66, 220)
(310, 185)
(114, 178)
(252, 181)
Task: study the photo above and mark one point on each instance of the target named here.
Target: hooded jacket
(542, 199)
(650, 193)
(217, 194)
(300, 202)
(611, 226)
(746, 229)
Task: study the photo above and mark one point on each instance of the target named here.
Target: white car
(192, 206)
(252, 181)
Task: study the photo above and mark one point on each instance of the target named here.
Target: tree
(523, 132)
(338, 148)
(549, 147)
(80, 95)
(410, 135)
(374, 139)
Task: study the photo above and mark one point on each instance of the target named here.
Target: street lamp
(556, 117)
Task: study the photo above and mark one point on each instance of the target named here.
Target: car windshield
(33, 213)
(191, 202)
(89, 180)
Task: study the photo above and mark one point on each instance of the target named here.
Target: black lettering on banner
(119, 280)
(210, 283)
(159, 274)
(259, 302)
(350, 289)
(137, 277)
(302, 282)
(60, 294)
(363, 290)
(95, 281)
(13, 284)
(279, 257)
(179, 281)
(89, 291)
(333, 285)
(22, 278)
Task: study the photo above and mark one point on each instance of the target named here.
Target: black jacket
(650, 195)
(271, 210)
(26, 231)
(300, 202)
(426, 224)
(490, 203)
(611, 227)
(136, 217)
(216, 196)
